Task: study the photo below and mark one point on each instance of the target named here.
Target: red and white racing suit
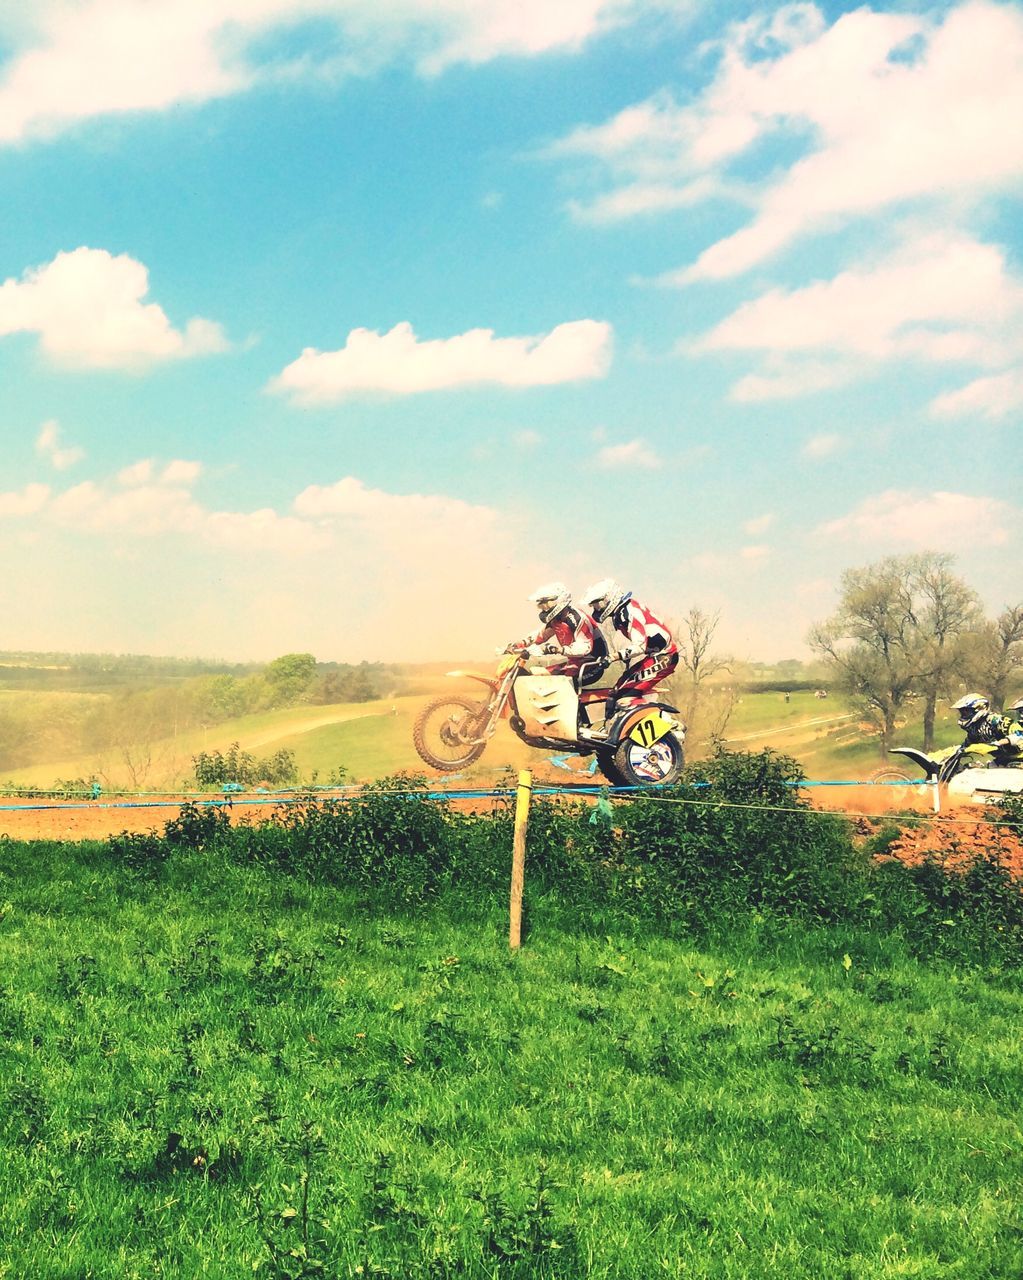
(579, 639)
(644, 644)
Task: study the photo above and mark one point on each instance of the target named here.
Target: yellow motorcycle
(971, 771)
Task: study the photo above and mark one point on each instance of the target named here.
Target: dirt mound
(955, 842)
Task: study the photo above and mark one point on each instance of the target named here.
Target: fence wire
(647, 794)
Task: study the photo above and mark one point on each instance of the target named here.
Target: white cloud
(422, 524)
(137, 472)
(181, 472)
(346, 571)
(48, 446)
(907, 519)
(994, 397)
(346, 518)
(397, 363)
(940, 298)
(756, 553)
(634, 453)
(759, 524)
(640, 198)
(264, 530)
(888, 130)
(785, 379)
(31, 499)
(889, 108)
(822, 446)
(177, 472)
(99, 57)
(87, 308)
(145, 502)
(527, 439)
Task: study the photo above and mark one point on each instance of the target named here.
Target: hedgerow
(733, 839)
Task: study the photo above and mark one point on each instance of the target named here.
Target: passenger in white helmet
(566, 637)
(635, 636)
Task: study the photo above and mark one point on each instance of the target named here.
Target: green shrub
(197, 826)
(214, 768)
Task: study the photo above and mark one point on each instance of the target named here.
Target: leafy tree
(904, 628)
(222, 698)
(290, 677)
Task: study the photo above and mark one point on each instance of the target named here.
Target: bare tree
(993, 660)
(133, 728)
(706, 710)
(695, 635)
(949, 611)
(873, 641)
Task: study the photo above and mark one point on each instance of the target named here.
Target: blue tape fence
(235, 794)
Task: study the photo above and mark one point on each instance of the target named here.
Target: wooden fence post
(522, 798)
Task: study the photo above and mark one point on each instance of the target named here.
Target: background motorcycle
(967, 771)
(639, 743)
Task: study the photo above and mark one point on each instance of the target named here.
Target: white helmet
(971, 708)
(604, 597)
(1017, 706)
(551, 600)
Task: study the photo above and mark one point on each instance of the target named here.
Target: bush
(735, 835)
(384, 840)
(215, 768)
(196, 827)
(143, 854)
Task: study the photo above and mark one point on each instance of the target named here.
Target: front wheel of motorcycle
(445, 733)
(658, 765)
(899, 789)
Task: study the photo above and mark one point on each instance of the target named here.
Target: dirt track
(87, 820)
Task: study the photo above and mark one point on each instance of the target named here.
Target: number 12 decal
(649, 730)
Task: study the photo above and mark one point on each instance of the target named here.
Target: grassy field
(222, 1071)
(374, 739)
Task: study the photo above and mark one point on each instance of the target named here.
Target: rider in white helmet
(635, 636)
(566, 637)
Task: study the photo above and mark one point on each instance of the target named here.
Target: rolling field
(370, 740)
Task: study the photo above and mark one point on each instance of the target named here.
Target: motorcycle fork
(497, 703)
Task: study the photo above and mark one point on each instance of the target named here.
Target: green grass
(781, 1101)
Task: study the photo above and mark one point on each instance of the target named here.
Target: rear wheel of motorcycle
(441, 731)
(606, 764)
(658, 765)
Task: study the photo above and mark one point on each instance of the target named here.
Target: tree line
(132, 724)
(908, 631)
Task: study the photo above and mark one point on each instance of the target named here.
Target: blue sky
(337, 326)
